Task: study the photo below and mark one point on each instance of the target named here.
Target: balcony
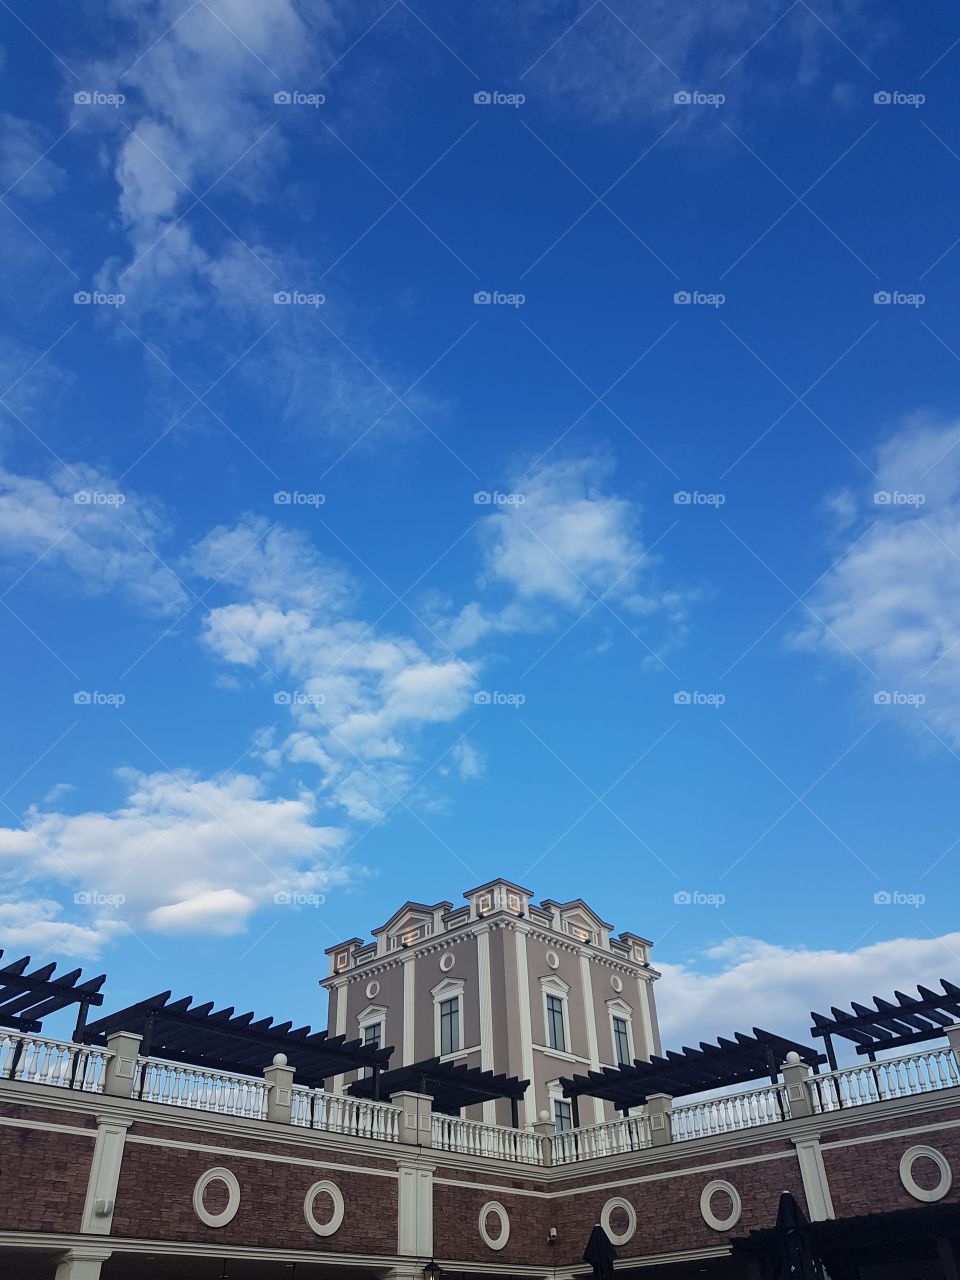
(41, 1061)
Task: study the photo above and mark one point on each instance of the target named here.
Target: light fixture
(432, 1271)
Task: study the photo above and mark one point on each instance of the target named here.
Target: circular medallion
(373, 989)
(928, 1194)
(499, 1212)
(616, 982)
(623, 1206)
(736, 1206)
(332, 1223)
(553, 960)
(229, 1211)
(447, 961)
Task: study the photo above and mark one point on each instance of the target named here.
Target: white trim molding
(736, 1207)
(494, 1242)
(622, 1237)
(907, 1161)
(233, 1197)
(336, 1220)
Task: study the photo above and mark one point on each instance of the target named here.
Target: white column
(526, 1029)
(415, 1210)
(486, 1015)
(409, 1011)
(82, 1264)
(341, 1026)
(593, 1051)
(103, 1180)
(816, 1189)
(646, 1019)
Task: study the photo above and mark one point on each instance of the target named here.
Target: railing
(630, 1134)
(879, 1081)
(54, 1062)
(473, 1138)
(176, 1085)
(724, 1115)
(337, 1113)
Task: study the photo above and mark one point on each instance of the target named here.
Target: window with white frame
(562, 1114)
(621, 1032)
(371, 1024)
(448, 1016)
(556, 1027)
(555, 1022)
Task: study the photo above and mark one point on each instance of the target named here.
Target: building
(171, 1141)
(534, 991)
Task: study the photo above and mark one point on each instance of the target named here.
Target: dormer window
(341, 960)
(484, 903)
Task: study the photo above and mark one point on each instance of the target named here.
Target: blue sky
(442, 443)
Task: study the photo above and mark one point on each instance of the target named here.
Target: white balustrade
(39, 1060)
(474, 1138)
(613, 1138)
(178, 1085)
(338, 1113)
(879, 1081)
(729, 1113)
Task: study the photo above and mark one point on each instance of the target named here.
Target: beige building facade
(537, 991)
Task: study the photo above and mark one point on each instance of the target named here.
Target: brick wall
(155, 1201)
(43, 1178)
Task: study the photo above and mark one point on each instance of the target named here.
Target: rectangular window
(621, 1042)
(562, 1114)
(372, 1036)
(450, 1025)
(556, 1038)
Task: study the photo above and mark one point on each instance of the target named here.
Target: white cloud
(357, 695)
(38, 924)
(23, 165)
(747, 983)
(182, 854)
(79, 522)
(891, 605)
(568, 540)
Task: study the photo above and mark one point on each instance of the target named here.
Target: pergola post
(953, 1036)
(416, 1123)
(795, 1076)
(123, 1048)
(279, 1078)
(659, 1109)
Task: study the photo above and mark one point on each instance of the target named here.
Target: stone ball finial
(279, 1059)
(792, 1058)
(544, 1115)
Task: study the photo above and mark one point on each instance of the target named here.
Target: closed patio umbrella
(795, 1259)
(600, 1253)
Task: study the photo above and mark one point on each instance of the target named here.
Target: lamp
(432, 1271)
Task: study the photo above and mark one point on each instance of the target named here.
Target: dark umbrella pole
(795, 1259)
(601, 1254)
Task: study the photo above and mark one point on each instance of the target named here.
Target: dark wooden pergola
(451, 1085)
(178, 1031)
(27, 998)
(712, 1066)
(912, 1020)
